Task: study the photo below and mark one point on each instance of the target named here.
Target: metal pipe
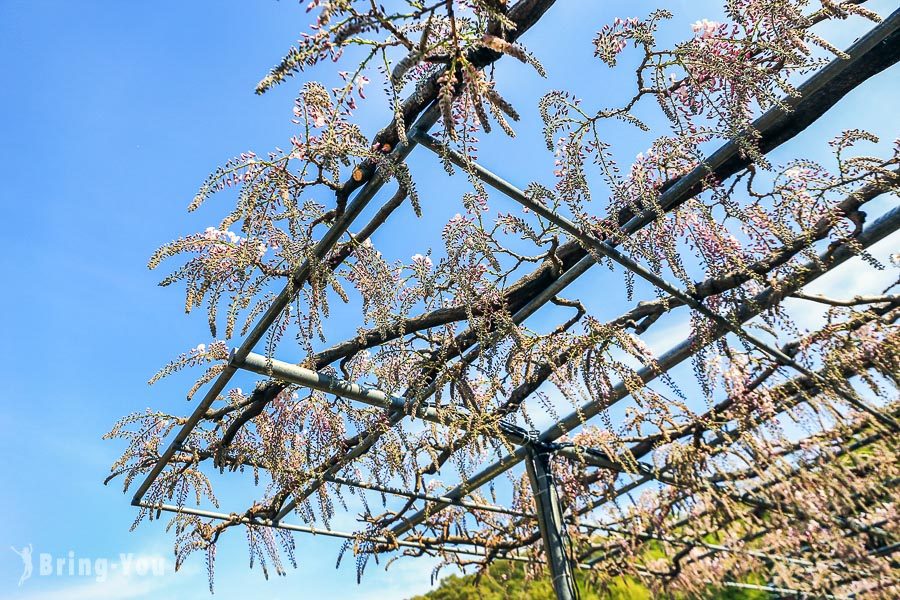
(877, 231)
(325, 245)
(308, 378)
(398, 492)
(780, 590)
(325, 532)
(604, 248)
(694, 543)
(550, 522)
(721, 439)
(815, 96)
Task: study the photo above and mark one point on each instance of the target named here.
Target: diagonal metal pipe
(868, 56)
(421, 106)
(321, 250)
(871, 54)
(877, 231)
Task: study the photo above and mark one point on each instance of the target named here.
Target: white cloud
(659, 340)
(853, 278)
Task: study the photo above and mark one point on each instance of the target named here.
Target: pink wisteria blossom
(420, 260)
(450, 328)
(705, 28)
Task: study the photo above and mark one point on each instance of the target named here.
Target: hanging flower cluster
(784, 466)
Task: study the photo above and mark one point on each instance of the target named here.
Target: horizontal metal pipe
(780, 590)
(308, 378)
(325, 532)
(399, 492)
(694, 543)
(322, 382)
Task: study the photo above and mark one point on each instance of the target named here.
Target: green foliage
(507, 581)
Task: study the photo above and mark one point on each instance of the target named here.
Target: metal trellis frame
(880, 229)
(868, 56)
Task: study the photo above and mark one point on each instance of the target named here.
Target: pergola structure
(540, 451)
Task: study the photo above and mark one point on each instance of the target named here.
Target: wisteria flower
(705, 28)
(420, 260)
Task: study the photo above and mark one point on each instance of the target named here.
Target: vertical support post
(550, 521)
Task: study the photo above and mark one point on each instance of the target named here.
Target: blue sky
(113, 114)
